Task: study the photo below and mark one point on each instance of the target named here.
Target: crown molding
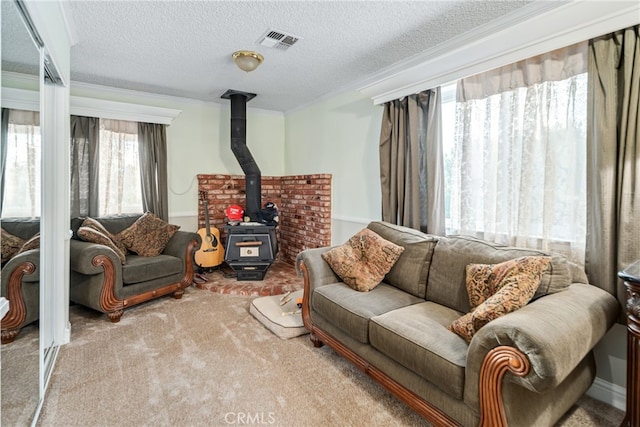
(29, 99)
(538, 28)
(21, 81)
(90, 90)
(20, 99)
(91, 107)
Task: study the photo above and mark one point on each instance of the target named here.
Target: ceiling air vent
(278, 39)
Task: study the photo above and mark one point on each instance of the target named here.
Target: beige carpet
(19, 378)
(205, 361)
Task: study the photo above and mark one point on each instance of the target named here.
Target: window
(515, 165)
(22, 169)
(119, 187)
(119, 184)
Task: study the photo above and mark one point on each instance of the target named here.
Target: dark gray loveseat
(526, 368)
(99, 280)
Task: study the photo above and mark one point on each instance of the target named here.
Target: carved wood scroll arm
(496, 364)
(306, 312)
(187, 279)
(109, 302)
(17, 313)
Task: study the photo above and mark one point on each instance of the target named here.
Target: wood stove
(251, 249)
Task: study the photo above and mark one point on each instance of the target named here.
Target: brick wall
(304, 206)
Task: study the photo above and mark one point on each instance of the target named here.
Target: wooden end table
(631, 277)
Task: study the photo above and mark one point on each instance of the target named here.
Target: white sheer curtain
(22, 170)
(519, 160)
(119, 186)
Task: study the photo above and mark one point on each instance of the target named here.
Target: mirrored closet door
(27, 361)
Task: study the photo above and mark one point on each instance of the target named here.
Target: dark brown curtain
(411, 162)
(152, 145)
(85, 135)
(613, 159)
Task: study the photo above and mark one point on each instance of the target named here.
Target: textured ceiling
(183, 48)
(19, 52)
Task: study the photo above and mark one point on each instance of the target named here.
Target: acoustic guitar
(211, 252)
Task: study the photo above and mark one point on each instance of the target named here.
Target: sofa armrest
(179, 242)
(318, 270)
(32, 256)
(81, 255)
(554, 333)
(24, 298)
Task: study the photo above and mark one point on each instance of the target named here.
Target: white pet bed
(269, 312)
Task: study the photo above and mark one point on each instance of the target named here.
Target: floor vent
(278, 39)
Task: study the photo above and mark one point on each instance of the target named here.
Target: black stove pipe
(239, 148)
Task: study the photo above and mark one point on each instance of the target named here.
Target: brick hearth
(280, 278)
(304, 205)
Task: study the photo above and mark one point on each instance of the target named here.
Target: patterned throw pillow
(32, 243)
(92, 235)
(478, 287)
(93, 223)
(10, 245)
(363, 260)
(148, 236)
(495, 290)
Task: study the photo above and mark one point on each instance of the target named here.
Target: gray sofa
(100, 281)
(523, 369)
(21, 280)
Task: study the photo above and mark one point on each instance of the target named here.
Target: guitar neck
(206, 217)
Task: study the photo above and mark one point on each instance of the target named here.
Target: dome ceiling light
(247, 60)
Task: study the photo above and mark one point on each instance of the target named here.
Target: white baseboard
(67, 334)
(609, 393)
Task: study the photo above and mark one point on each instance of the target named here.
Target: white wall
(198, 142)
(339, 136)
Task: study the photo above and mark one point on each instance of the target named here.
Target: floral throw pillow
(477, 280)
(364, 260)
(495, 290)
(148, 236)
(32, 243)
(10, 245)
(93, 223)
(92, 235)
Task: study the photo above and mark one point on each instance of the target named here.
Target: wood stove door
(247, 248)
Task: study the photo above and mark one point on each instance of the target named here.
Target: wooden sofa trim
(496, 364)
(13, 320)
(114, 307)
